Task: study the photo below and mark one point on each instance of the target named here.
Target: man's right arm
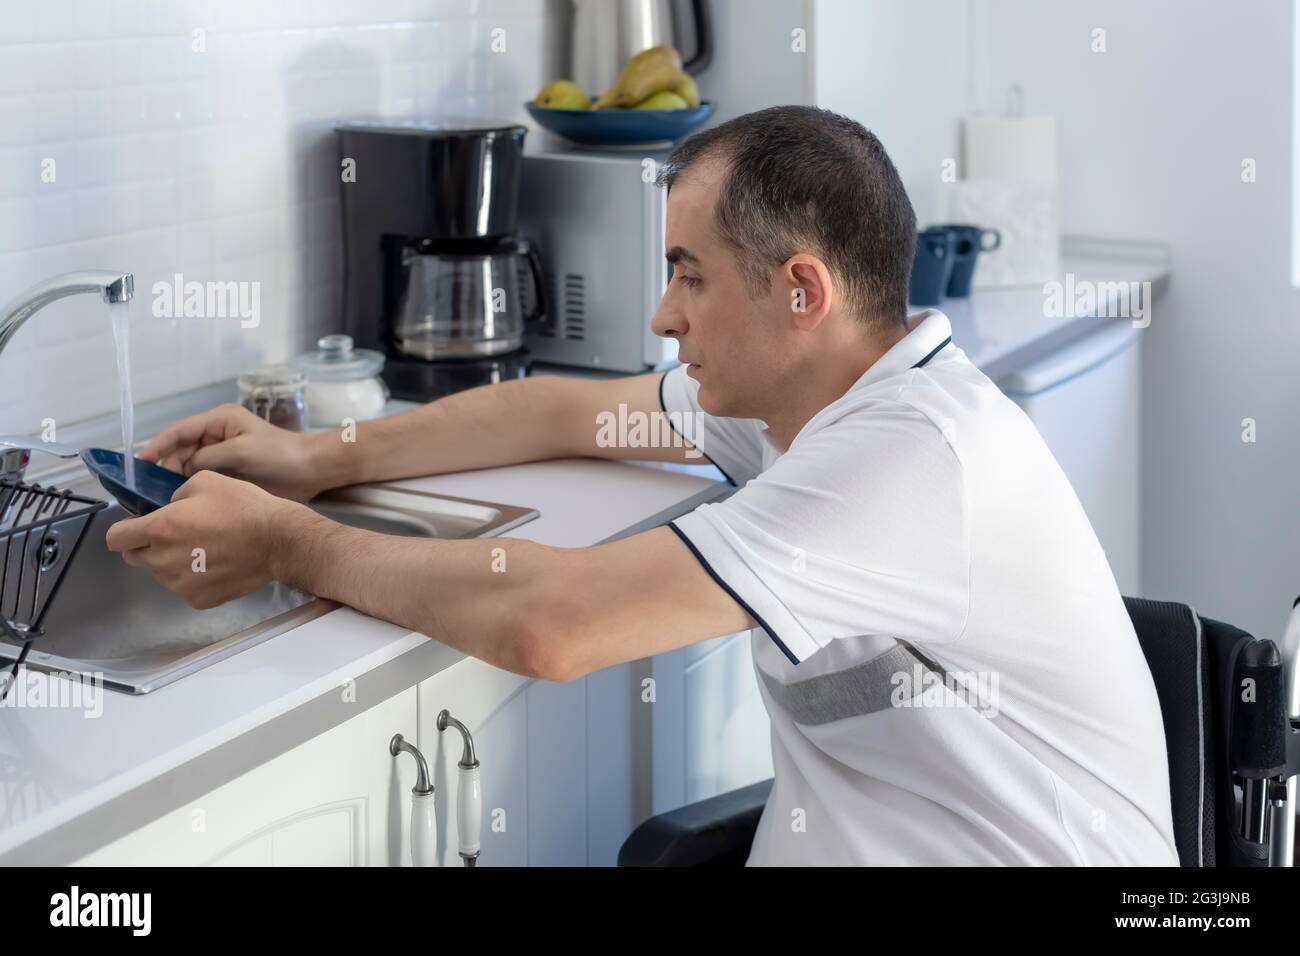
(508, 423)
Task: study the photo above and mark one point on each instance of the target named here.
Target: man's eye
(689, 281)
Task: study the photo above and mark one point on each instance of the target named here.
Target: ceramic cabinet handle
(469, 814)
(424, 820)
(469, 800)
(424, 830)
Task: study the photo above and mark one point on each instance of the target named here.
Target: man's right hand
(232, 440)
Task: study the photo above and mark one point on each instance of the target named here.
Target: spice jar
(277, 394)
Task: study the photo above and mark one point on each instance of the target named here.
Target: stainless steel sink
(113, 621)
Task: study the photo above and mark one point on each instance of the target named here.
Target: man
(948, 665)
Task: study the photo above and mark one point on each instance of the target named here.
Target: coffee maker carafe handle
(542, 305)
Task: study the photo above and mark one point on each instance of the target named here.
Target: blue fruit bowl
(153, 487)
(629, 127)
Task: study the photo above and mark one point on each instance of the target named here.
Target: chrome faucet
(111, 287)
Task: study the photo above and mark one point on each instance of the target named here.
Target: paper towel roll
(1010, 184)
(1021, 148)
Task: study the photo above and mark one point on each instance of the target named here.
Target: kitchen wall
(906, 72)
(192, 137)
(757, 62)
(1153, 134)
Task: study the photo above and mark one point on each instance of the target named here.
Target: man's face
(738, 347)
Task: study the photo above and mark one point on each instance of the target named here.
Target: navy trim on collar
(664, 408)
(933, 352)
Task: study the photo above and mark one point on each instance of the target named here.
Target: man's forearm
(484, 597)
(503, 424)
(536, 610)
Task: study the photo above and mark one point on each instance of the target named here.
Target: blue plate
(153, 488)
(621, 127)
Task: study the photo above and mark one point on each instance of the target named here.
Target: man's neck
(822, 382)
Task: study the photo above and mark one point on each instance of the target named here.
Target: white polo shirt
(950, 672)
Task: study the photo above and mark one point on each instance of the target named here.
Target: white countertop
(71, 784)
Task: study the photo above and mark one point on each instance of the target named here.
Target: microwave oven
(597, 220)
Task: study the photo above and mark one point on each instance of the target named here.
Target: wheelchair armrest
(713, 832)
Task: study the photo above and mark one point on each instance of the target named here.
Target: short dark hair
(803, 179)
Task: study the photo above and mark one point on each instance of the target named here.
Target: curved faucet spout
(111, 286)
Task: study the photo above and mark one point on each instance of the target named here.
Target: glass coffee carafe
(466, 304)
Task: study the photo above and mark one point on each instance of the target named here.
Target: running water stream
(120, 312)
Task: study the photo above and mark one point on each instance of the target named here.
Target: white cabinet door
(339, 799)
(557, 773)
(565, 767)
(619, 765)
(710, 729)
(727, 740)
(493, 704)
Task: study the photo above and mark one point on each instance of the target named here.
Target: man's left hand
(219, 539)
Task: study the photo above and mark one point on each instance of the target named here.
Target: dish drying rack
(40, 531)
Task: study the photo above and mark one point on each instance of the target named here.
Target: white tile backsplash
(218, 165)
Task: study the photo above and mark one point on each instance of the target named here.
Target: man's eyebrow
(681, 254)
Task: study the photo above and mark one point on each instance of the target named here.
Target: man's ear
(811, 291)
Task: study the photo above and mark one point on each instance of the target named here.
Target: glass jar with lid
(275, 393)
(342, 382)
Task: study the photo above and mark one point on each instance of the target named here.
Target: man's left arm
(553, 613)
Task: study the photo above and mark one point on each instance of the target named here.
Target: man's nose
(668, 320)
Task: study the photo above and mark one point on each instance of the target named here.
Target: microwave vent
(574, 307)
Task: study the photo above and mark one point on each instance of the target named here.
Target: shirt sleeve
(734, 445)
(861, 529)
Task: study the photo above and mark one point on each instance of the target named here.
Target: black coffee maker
(433, 273)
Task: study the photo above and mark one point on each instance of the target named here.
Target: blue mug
(932, 267)
(969, 242)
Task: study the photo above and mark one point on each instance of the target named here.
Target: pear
(606, 100)
(663, 100)
(649, 72)
(688, 90)
(563, 95)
